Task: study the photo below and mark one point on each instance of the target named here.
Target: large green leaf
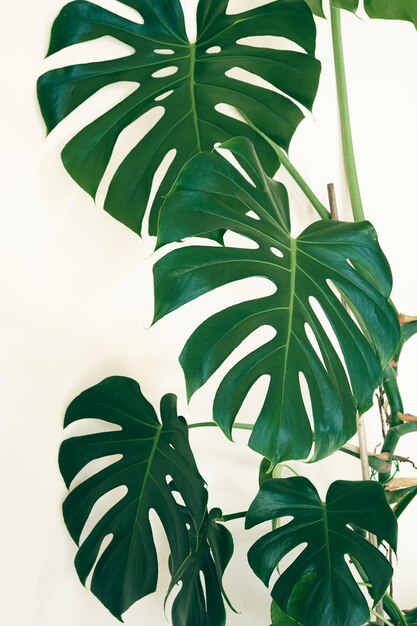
(382, 9)
(190, 122)
(195, 606)
(156, 463)
(333, 596)
(211, 194)
(279, 618)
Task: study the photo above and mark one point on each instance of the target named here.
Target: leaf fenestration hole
(277, 252)
(305, 393)
(274, 42)
(164, 95)
(244, 76)
(106, 502)
(291, 556)
(314, 343)
(121, 9)
(165, 71)
(164, 51)
(255, 398)
(159, 176)
(103, 547)
(227, 109)
(235, 240)
(214, 50)
(204, 588)
(328, 329)
(93, 467)
(252, 215)
(90, 426)
(229, 156)
(106, 48)
(126, 142)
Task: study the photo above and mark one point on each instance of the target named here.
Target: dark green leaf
(190, 122)
(211, 194)
(279, 618)
(153, 455)
(194, 606)
(332, 595)
(382, 9)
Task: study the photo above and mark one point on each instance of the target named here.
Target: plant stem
(238, 425)
(396, 609)
(345, 125)
(232, 516)
(381, 618)
(296, 176)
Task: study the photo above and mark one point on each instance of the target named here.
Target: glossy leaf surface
(211, 194)
(194, 604)
(156, 461)
(382, 9)
(332, 595)
(185, 82)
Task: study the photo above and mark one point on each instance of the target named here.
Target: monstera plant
(221, 138)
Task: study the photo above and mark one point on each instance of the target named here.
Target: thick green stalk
(345, 125)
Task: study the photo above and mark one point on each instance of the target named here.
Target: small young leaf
(330, 593)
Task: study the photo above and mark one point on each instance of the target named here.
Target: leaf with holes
(212, 194)
(332, 595)
(195, 605)
(185, 83)
(381, 9)
(154, 454)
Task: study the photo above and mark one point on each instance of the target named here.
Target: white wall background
(77, 301)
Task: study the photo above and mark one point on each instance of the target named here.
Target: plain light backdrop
(77, 304)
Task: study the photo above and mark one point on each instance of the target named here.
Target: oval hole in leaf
(165, 71)
(305, 392)
(213, 50)
(318, 310)
(276, 252)
(227, 109)
(312, 339)
(164, 95)
(164, 51)
(254, 216)
(101, 507)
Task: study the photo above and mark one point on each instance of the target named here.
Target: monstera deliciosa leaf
(382, 9)
(186, 81)
(193, 605)
(212, 194)
(331, 594)
(156, 464)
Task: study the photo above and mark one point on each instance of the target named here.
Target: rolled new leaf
(210, 195)
(184, 85)
(331, 595)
